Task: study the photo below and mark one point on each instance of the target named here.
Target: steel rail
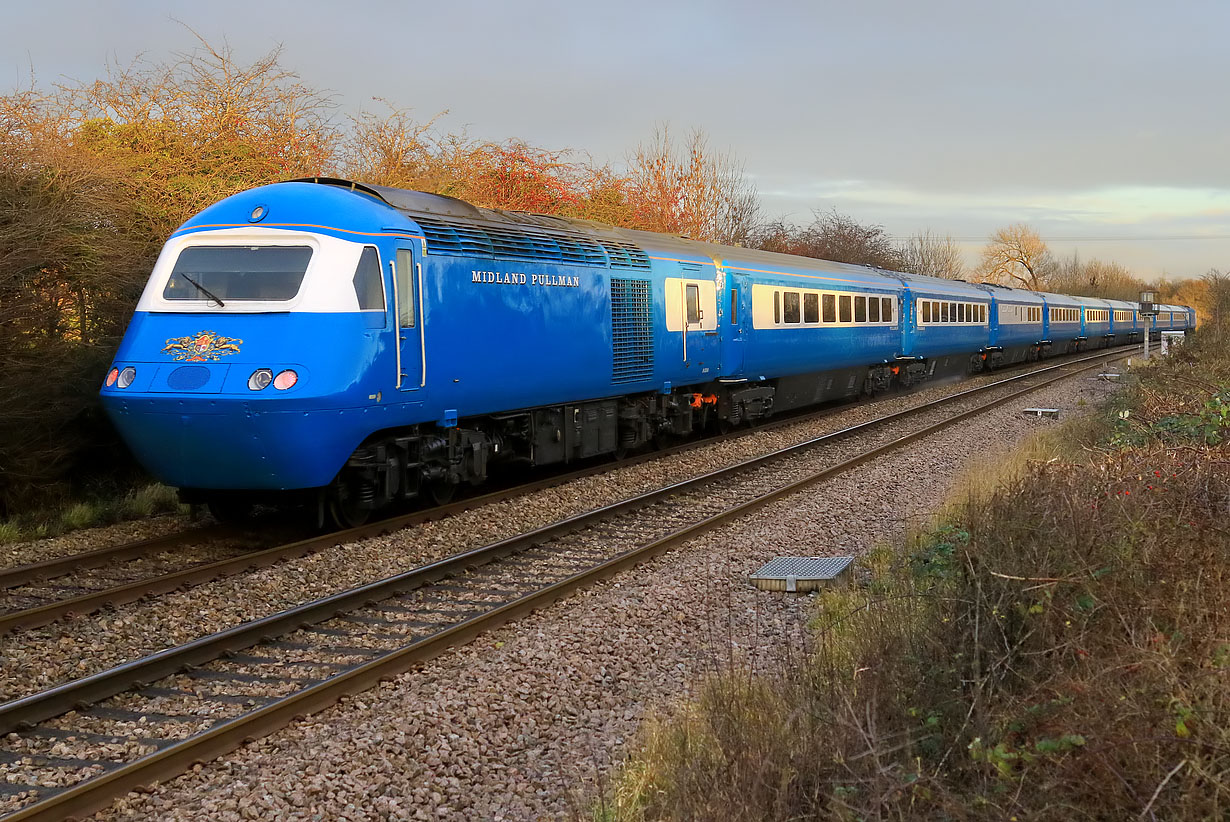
(47, 613)
(207, 572)
(18, 575)
(94, 793)
(62, 698)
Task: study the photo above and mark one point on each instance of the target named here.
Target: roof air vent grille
(514, 243)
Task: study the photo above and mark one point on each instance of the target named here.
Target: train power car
(342, 345)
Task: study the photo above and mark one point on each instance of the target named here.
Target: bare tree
(1016, 255)
(691, 190)
(832, 236)
(1217, 301)
(933, 256)
(394, 150)
(1094, 278)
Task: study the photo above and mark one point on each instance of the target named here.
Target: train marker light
(260, 379)
(126, 377)
(112, 376)
(285, 380)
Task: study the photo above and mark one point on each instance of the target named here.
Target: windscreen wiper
(204, 290)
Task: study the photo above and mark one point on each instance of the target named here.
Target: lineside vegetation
(1057, 646)
(94, 175)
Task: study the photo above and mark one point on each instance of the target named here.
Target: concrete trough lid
(1110, 375)
(1053, 413)
(800, 574)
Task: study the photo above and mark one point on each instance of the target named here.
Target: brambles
(1056, 648)
(94, 176)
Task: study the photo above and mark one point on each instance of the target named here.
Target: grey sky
(1102, 124)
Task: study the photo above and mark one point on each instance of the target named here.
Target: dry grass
(102, 509)
(1059, 648)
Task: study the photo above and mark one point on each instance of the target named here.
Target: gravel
(528, 721)
(70, 649)
(89, 539)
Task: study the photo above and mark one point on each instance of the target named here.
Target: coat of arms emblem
(203, 346)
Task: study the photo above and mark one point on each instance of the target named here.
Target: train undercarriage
(430, 462)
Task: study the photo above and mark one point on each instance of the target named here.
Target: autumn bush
(94, 176)
(1057, 648)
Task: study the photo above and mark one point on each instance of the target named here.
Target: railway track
(35, 595)
(75, 747)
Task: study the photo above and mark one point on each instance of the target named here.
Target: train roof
(422, 206)
(1009, 294)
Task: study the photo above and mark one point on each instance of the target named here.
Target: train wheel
(346, 513)
(345, 506)
(229, 510)
(441, 492)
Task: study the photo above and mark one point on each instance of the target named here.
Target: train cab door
(406, 275)
(691, 312)
(738, 290)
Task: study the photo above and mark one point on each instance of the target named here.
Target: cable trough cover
(800, 574)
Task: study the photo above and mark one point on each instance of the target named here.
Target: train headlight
(126, 377)
(285, 379)
(112, 376)
(260, 379)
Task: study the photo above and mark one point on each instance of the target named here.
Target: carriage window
(845, 308)
(790, 306)
(777, 306)
(943, 312)
(982, 314)
(692, 294)
(811, 308)
(368, 284)
(886, 304)
(926, 311)
(860, 309)
(830, 308)
(961, 312)
(405, 287)
(734, 307)
(873, 310)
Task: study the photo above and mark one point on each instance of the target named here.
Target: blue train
(350, 345)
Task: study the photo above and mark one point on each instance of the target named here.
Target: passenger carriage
(1124, 322)
(948, 325)
(1016, 331)
(814, 327)
(1095, 320)
(1063, 329)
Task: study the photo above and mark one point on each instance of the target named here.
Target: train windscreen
(251, 273)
